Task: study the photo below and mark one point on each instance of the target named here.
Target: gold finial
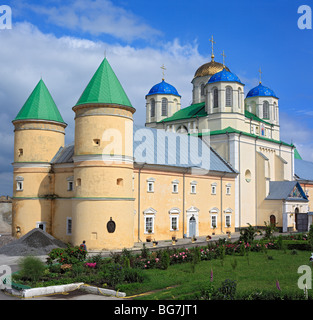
(212, 42)
(223, 54)
(163, 68)
(260, 76)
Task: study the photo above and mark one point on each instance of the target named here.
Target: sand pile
(35, 242)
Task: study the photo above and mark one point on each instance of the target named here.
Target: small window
(175, 188)
(193, 189)
(69, 226)
(78, 182)
(19, 186)
(164, 107)
(96, 142)
(41, 225)
(228, 189)
(213, 188)
(215, 98)
(227, 221)
(248, 175)
(70, 186)
(150, 185)
(152, 108)
(174, 223)
(266, 110)
(149, 224)
(20, 152)
(229, 96)
(120, 182)
(213, 221)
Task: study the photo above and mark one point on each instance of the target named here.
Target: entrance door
(192, 227)
(273, 220)
(301, 221)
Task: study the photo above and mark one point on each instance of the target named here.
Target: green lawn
(256, 272)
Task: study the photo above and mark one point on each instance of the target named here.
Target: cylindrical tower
(103, 206)
(38, 135)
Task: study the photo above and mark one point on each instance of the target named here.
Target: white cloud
(97, 17)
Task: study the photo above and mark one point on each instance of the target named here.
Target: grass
(256, 272)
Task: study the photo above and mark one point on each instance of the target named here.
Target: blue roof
(225, 76)
(281, 190)
(163, 88)
(261, 91)
(158, 147)
(304, 169)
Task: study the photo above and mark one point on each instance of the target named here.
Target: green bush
(133, 275)
(31, 268)
(69, 255)
(165, 260)
(297, 245)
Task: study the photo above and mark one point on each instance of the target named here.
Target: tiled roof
(40, 106)
(104, 87)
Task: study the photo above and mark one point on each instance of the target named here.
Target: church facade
(210, 168)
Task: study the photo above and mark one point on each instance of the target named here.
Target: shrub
(31, 268)
(69, 255)
(248, 234)
(133, 275)
(227, 290)
(165, 260)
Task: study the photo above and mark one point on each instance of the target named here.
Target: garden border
(59, 289)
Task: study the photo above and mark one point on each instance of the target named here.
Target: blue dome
(163, 88)
(223, 76)
(261, 91)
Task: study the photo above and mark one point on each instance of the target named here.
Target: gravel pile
(35, 242)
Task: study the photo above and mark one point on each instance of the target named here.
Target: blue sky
(64, 42)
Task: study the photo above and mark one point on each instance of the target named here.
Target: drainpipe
(222, 202)
(256, 193)
(240, 175)
(184, 195)
(139, 171)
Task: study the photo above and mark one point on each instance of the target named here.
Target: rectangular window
(175, 188)
(70, 186)
(213, 221)
(227, 221)
(213, 189)
(174, 223)
(193, 189)
(149, 224)
(228, 190)
(150, 186)
(68, 226)
(20, 152)
(19, 186)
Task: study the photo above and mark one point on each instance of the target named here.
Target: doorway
(192, 227)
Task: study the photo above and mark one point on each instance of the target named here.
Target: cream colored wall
(162, 200)
(39, 140)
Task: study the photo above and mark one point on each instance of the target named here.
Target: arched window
(239, 98)
(215, 98)
(202, 89)
(152, 110)
(229, 96)
(164, 107)
(275, 111)
(266, 110)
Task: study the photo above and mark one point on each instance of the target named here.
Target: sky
(64, 42)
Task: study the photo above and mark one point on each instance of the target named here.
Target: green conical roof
(104, 87)
(40, 106)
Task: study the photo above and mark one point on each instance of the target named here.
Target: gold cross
(260, 75)
(163, 68)
(212, 42)
(223, 54)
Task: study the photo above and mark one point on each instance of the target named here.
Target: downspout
(184, 195)
(240, 175)
(139, 171)
(256, 193)
(222, 202)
